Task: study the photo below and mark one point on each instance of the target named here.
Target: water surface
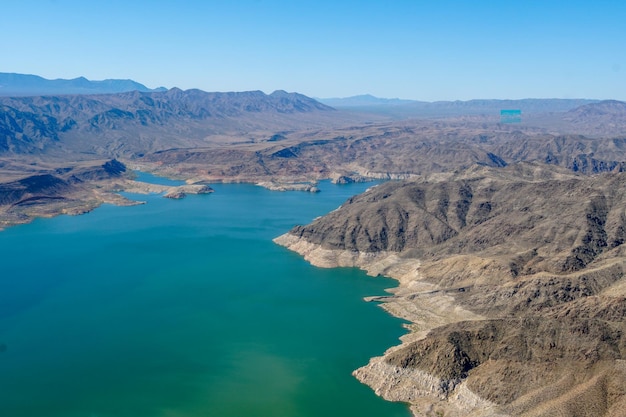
(186, 308)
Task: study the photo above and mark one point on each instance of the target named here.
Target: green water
(186, 308)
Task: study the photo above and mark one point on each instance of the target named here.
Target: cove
(186, 308)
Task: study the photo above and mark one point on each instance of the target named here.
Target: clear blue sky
(424, 50)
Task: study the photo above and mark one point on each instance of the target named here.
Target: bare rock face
(512, 279)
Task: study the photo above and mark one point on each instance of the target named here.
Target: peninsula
(511, 279)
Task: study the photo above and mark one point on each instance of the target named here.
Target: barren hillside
(512, 277)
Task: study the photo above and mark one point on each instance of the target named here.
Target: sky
(411, 49)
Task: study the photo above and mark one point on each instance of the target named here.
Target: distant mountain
(606, 108)
(415, 108)
(365, 100)
(33, 85)
(486, 107)
(603, 118)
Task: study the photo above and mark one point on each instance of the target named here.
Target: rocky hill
(512, 279)
(49, 191)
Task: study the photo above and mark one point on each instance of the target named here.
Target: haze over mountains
(406, 108)
(12, 84)
(501, 234)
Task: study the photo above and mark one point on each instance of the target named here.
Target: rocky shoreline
(435, 308)
(537, 343)
(48, 196)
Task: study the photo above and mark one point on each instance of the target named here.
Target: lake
(185, 308)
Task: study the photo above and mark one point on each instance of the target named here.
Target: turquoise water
(186, 308)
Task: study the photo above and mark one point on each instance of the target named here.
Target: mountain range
(408, 108)
(131, 123)
(12, 84)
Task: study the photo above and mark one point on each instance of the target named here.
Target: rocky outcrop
(511, 279)
(174, 192)
(33, 188)
(183, 190)
(74, 189)
(57, 184)
(289, 186)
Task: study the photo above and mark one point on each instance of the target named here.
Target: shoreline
(423, 392)
(89, 197)
(93, 194)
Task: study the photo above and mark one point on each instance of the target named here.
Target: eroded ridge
(512, 281)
